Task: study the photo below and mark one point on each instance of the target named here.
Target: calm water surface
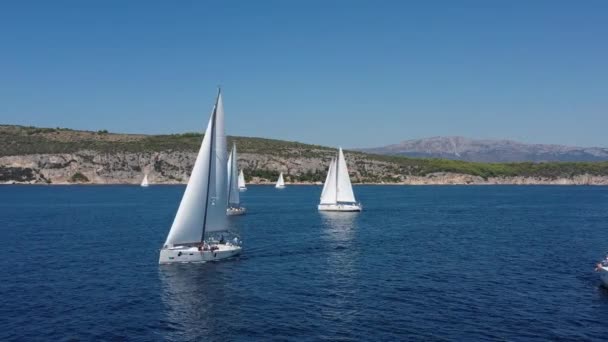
(420, 263)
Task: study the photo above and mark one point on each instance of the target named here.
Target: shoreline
(311, 184)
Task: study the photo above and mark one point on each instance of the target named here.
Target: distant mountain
(491, 151)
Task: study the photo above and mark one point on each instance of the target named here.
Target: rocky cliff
(169, 167)
(174, 167)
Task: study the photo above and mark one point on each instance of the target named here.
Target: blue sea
(419, 263)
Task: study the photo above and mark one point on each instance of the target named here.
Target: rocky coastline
(173, 167)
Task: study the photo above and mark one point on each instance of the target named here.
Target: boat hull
(603, 271)
(280, 186)
(236, 211)
(343, 207)
(242, 189)
(184, 254)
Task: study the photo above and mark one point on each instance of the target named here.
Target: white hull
(236, 211)
(242, 189)
(280, 186)
(340, 207)
(144, 185)
(603, 275)
(184, 254)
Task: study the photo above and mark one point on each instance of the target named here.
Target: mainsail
(216, 203)
(233, 187)
(203, 206)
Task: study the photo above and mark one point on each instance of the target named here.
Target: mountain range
(489, 150)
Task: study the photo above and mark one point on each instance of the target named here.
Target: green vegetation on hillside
(20, 140)
(419, 166)
(79, 178)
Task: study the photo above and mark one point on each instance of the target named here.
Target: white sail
(328, 195)
(233, 187)
(216, 213)
(144, 182)
(206, 188)
(280, 182)
(345, 189)
(241, 182)
(188, 223)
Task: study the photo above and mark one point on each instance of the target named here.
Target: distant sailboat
(203, 206)
(234, 200)
(242, 185)
(144, 182)
(280, 182)
(337, 194)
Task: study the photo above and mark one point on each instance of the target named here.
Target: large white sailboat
(242, 184)
(337, 194)
(280, 182)
(144, 182)
(234, 199)
(202, 211)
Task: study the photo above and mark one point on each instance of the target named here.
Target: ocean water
(419, 263)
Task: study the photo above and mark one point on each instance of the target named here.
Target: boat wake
(266, 253)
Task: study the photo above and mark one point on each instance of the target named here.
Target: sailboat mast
(212, 145)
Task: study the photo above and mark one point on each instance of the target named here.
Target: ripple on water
(422, 263)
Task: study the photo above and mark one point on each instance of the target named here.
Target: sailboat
(242, 185)
(202, 210)
(144, 182)
(234, 200)
(280, 182)
(337, 194)
(602, 268)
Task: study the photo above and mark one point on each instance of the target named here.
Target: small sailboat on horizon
(280, 182)
(234, 198)
(144, 182)
(201, 215)
(242, 184)
(337, 194)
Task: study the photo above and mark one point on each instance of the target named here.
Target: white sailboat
(280, 182)
(203, 207)
(234, 200)
(144, 182)
(602, 268)
(337, 194)
(242, 185)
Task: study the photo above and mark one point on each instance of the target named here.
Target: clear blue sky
(350, 73)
